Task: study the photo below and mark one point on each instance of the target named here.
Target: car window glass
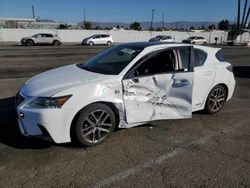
(112, 60)
(184, 58)
(219, 55)
(160, 63)
(199, 57)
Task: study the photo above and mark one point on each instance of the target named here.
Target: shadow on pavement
(241, 71)
(9, 131)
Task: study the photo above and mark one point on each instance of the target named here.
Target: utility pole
(152, 19)
(238, 18)
(84, 16)
(33, 12)
(244, 14)
(163, 21)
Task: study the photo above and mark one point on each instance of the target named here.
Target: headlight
(48, 102)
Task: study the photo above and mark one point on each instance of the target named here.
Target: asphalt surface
(205, 151)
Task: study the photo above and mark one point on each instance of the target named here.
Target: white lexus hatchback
(124, 86)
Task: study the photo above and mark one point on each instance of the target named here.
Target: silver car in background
(101, 39)
(41, 38)
(162, 38)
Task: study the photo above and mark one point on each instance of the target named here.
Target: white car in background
(195, 40)
(124, 86)
(41, 38)
(162, 38)
(101, 39)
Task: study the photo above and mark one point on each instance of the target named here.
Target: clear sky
(121, 11)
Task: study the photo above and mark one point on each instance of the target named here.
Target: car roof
(44, 34)
(143, 45)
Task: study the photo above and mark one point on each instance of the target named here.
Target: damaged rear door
(160, 86)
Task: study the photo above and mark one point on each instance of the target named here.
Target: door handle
(180, 83)
(208, 73)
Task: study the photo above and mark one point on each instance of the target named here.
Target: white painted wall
(14, 35)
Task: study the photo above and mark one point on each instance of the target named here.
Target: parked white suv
(98, 40)
(195, 40)
(41, 38)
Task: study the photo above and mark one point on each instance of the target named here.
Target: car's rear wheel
(56, 43)
(94, 124)
(91, 44)
(109, 43)
(204, 43)
(216, 99)
(30, 43)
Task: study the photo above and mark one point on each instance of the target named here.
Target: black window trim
(129, 73)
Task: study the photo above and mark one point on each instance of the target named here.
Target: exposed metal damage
(154, 96)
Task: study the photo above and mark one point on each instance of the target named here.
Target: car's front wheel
(94, 124)
(91, 44)
(216, 99)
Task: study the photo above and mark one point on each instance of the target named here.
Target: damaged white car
(124, 86)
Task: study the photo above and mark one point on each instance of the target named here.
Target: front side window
(112, 60)
(161, 62)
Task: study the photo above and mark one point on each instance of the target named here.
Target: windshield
(159, 37)
(112, 60)
(191, 38)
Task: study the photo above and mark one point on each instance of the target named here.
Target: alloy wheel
(216, 99)
(96, 126)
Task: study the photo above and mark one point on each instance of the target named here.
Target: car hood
(53, 81)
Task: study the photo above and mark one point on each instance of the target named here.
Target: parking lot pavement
(205, 151)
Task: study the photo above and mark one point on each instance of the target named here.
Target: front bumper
(36, 122)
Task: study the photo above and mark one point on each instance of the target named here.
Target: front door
(160, 87)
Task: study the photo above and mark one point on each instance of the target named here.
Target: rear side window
(49, 35)
(199, 57)
(219, 55)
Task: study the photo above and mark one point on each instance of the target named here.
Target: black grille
(19, 99)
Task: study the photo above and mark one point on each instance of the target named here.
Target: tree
(203, 27)
(64, 26)
(224, 25)
(211, 27)
(88, 25)
(117, 27)
(135, 26)
(98, 27)
(192, 28)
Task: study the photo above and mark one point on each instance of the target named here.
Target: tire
(204, 43)
(109, 43)
(216, 99)
(94, 124)
(91, 43)
(30, 43)
(56, 43)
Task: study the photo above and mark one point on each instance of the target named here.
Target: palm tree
(244, 14)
